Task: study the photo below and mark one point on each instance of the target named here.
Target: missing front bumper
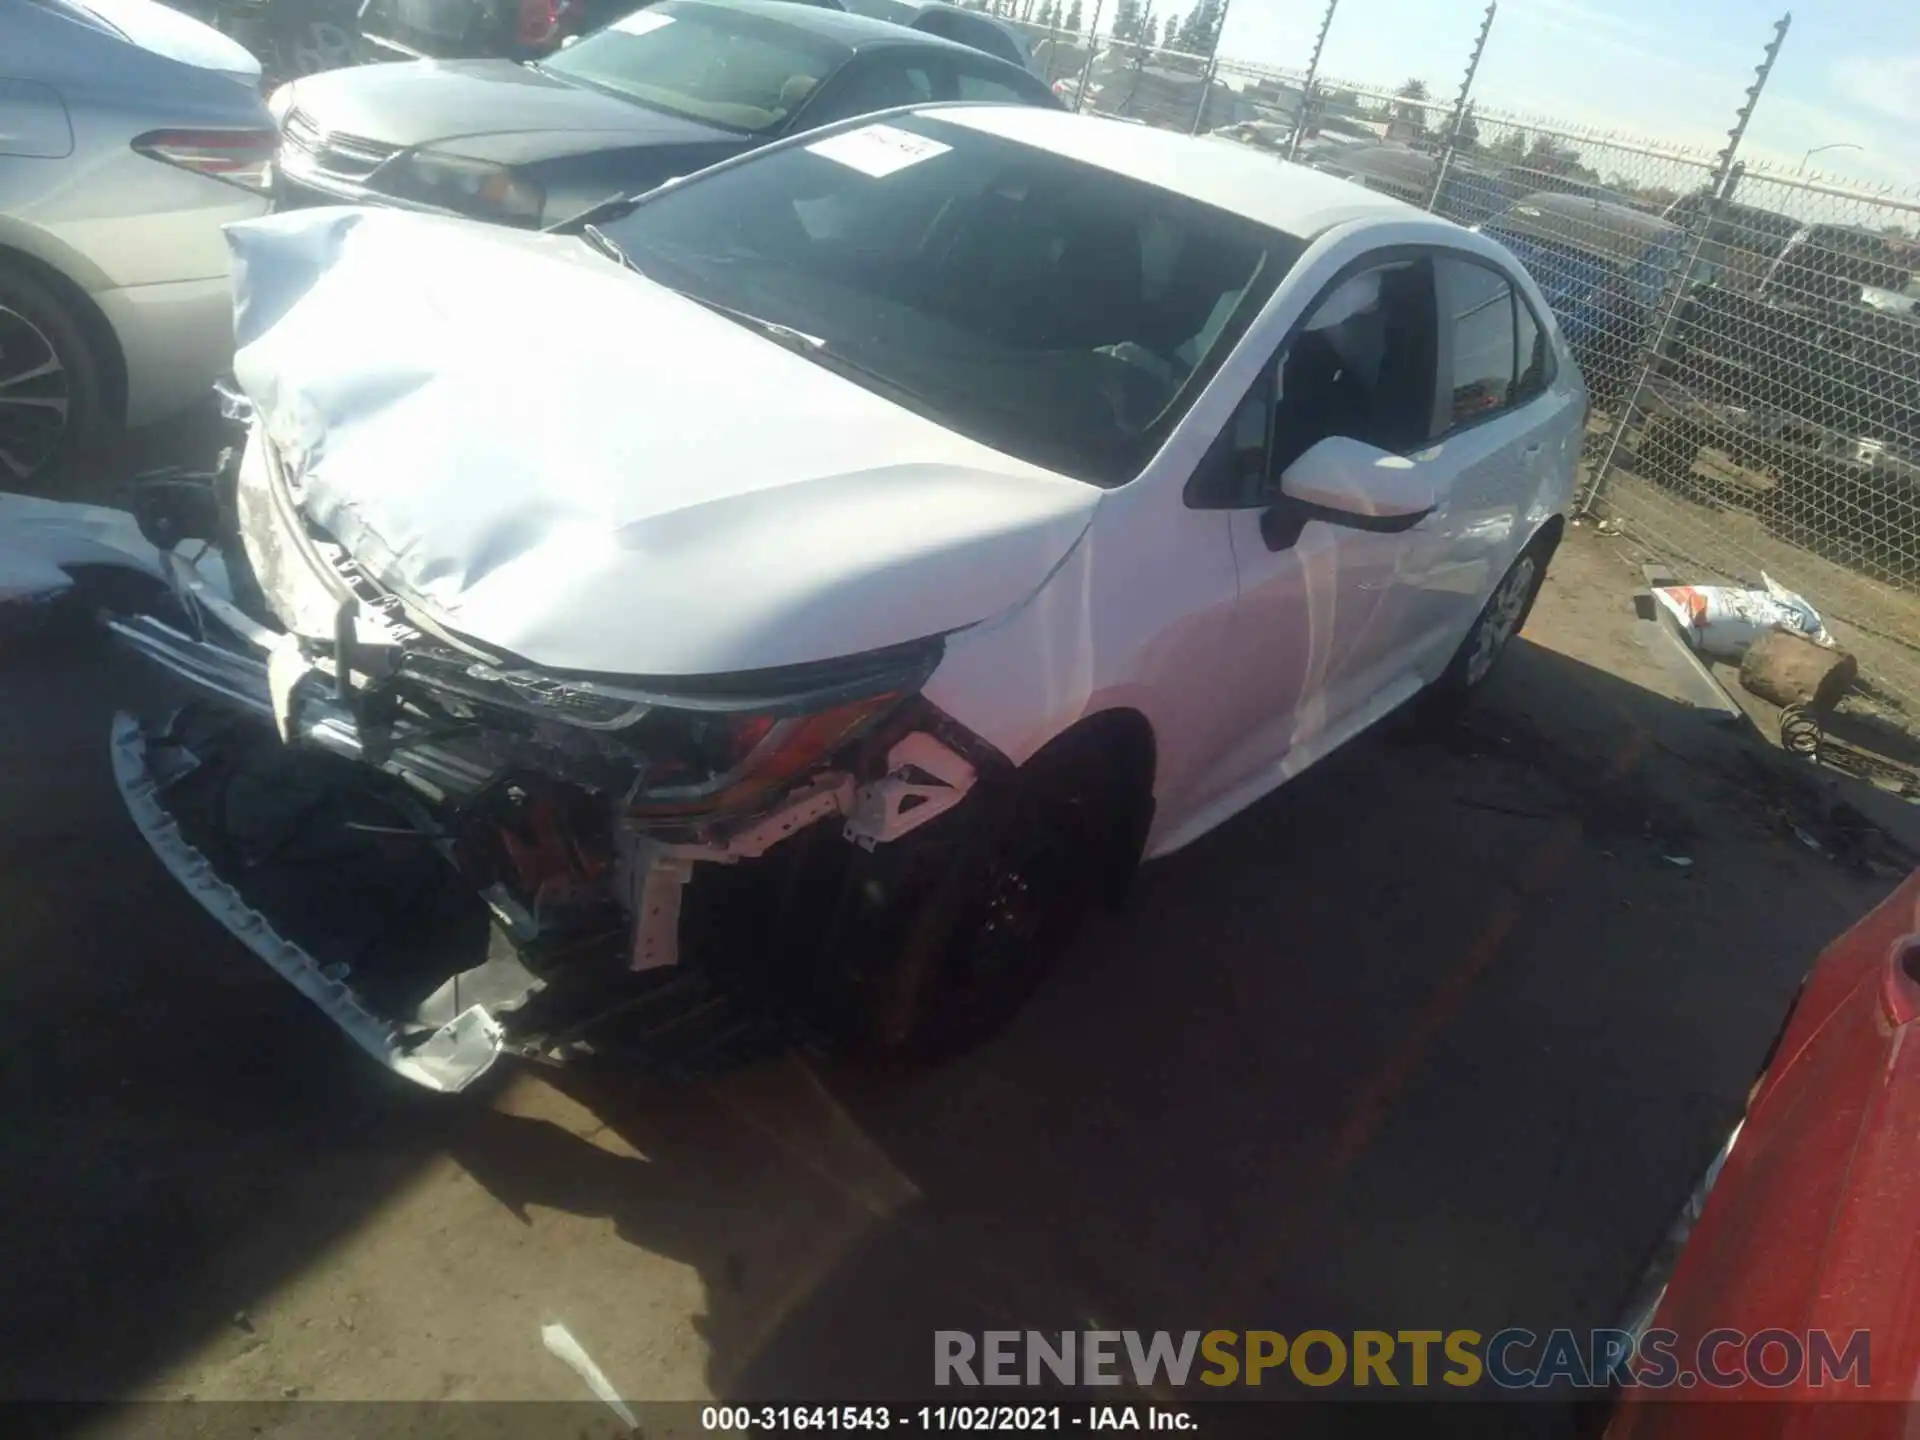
(449, 1057)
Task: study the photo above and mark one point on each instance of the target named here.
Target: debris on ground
(1800, 803)
(561, 1344)
(1721, 621)
(1789, 669)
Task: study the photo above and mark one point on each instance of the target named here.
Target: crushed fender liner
(449, 1058)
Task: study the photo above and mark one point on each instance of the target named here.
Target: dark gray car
(657, 94)
(950, 22)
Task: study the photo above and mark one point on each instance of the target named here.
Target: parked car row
(137, 112)
(129, 134)
(304, 37)
(655, 95)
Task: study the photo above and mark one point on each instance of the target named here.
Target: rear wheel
(1499, 620)
(52, 407)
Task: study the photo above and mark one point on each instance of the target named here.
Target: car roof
(1221, 173)
(1599, 227)
(856, 32)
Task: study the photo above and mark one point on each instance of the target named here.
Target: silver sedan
(129, 134)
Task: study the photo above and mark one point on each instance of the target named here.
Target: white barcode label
(878, 150)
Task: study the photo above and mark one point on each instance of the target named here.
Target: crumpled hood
(423, 102)
(558, 458)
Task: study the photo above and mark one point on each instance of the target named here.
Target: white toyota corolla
(834, 570)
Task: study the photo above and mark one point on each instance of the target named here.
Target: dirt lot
(1440, 1036)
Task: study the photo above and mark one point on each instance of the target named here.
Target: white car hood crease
(558, 458)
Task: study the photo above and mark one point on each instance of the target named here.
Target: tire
(53, 411)
(1500, 619)
(972, 916)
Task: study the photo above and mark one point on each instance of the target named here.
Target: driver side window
(1363, 364)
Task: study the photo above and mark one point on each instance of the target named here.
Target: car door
(1310, 657)
(1492, 451)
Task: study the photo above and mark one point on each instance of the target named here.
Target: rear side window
(1533, 354)
(1477, 312)
(1497, 353)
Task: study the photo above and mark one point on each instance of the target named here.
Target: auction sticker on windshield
(878, 150)
(640, 22)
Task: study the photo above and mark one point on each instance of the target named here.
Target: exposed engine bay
(457, 855)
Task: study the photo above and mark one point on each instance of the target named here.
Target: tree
(1200, 32)
(1049, 16)
(1510, 148)
(1413, 92)
(1126, 20)
(1169, 32)
(1074, 16)
(1548, 156)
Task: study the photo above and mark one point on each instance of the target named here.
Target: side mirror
(1351, 483)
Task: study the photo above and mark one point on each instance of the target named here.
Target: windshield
(705, 62)
(1052, 310)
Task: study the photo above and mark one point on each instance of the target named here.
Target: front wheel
(964, 922)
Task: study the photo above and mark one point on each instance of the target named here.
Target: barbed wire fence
(1750, 337)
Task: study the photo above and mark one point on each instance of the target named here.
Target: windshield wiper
(772, 329)
(599, 240)
(613, 207)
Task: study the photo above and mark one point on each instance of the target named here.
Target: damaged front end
(456, 855)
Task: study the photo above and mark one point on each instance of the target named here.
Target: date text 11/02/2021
(1039, 1419)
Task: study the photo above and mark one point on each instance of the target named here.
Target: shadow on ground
(1438, 1037)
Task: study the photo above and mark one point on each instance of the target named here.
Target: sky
(1849, 70)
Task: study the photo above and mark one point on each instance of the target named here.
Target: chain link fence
(1751, 340)
(1776, 427)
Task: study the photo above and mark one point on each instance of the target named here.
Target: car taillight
(538, 20)
(240, 157)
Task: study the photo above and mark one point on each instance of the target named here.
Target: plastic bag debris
(1722, 622)
(561, 1344)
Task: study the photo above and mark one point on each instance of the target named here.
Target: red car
(1800, 1281)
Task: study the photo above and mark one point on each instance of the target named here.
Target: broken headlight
(698, 763)
(687, 747)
